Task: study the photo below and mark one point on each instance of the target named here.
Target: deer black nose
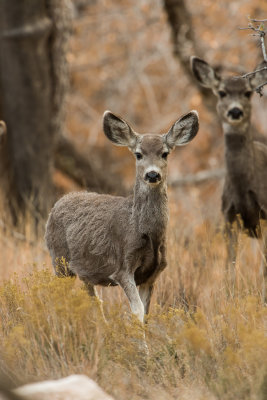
(152, 176)
(235, 113)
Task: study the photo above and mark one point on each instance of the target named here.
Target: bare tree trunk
(185, 44)
(33, 84)
(27, 87)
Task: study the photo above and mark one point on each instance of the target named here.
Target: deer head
(233, 93)
(151, 150)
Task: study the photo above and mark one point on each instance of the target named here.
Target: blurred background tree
(120, 57)
(33, 80)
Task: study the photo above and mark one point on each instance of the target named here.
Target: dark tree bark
(185, 44)
(33, 84)
(29, 102)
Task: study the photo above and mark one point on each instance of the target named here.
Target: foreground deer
(108, 240)
(245, 187)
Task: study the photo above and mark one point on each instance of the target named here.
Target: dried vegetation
(202, 343)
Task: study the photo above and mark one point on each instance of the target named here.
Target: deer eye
(248, 94)
(165, 155)
(222, 93)
(138, 156)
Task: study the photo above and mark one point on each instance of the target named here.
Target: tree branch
(261, 34)
(262, 67)
(263, 47)
(83, 171)
(254, 72)
(258, 20)
(198, 178)
(259, 88)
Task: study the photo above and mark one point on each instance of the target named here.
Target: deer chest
(150, 260)
(245, 206)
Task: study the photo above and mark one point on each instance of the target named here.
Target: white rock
(78, 387)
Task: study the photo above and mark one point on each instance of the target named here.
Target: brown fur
(245, 187)
(108, 240)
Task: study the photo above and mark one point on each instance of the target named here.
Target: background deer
(108, 240)
(245, 187)
(2, 131)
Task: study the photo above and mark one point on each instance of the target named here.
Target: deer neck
(150, 208)
(239, 156)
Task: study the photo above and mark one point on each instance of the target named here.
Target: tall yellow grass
(203, 343)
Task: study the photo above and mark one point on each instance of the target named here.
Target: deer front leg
(231, 243)
(127, 282)
(137, 308)
(264, 266)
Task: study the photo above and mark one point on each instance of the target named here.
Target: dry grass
(202, 343)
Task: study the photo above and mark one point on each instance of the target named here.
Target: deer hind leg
(61, 264)
(231, 232)
(146, 289)
(145, 293)
(91, 289)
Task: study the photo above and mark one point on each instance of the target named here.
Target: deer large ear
(259, 78)
(118, 131)
(2, 131)
(204, 73)
(183, 130)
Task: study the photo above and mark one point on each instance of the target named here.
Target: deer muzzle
(152, 177)
(235, 113)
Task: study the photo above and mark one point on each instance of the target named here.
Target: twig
(258, 20)
(252, 28)
(254, 72)
(263, 47)
(258, 89)
(261, 33)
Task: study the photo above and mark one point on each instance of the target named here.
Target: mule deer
(245, 187)
(108, 240)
